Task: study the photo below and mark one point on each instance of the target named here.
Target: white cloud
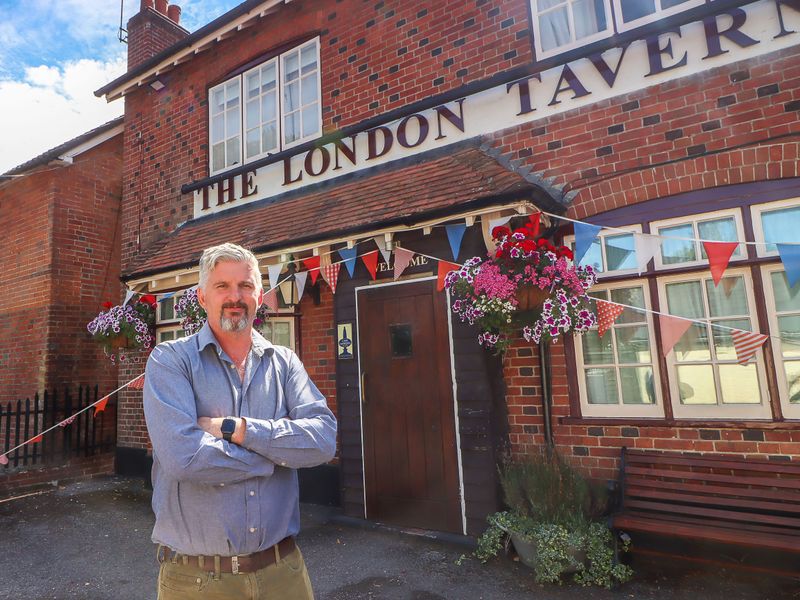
(52, 105)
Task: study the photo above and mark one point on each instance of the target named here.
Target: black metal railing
(88, 434)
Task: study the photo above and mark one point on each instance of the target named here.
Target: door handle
(361, 387)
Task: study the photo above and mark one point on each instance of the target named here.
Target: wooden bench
(713, 498)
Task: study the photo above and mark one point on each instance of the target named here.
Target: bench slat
(787, 496)
(640, 457)
(712, 513)
(793, 484)
(677, 495)
(701, 522)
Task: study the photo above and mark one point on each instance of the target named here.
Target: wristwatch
(227, 428)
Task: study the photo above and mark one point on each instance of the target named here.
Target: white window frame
(242, 108)
(757, 211)
(659, 14)
(569, 241)
(292, 328)
(162, 330)
(790, 411)
(540, 53)
(694, 220)
(226, 166)
(718, 411)
(263, 153)
(655, 410)
(175, 319)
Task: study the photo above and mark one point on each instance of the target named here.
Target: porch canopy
(467, 179)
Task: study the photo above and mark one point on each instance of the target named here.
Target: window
(613, 252)
(617, 372)
(276, 104)
(166, 334)
(279, 331)
(633, 13)
(680, 246)
(705, 379)
(564, 24)
(784, 317)
(776, 222)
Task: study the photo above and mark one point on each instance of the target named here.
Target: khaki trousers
(285, 580)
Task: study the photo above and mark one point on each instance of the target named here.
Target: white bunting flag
(647, 246)
(300, 281)
(747, 344)
(128, 295)
(274, 274)
(497, 222)
(381, 244)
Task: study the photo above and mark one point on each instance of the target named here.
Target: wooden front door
(410, 455)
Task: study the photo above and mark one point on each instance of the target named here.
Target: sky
(53, 55)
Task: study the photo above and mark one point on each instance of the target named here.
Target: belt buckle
(235, 565)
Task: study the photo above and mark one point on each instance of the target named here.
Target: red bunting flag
(330, 273)
(312, 264)
(100, 406)
(271, 300)
(138, 383)
(719, 255)
(444, 268)
(672, 329)
(747, 344)
(536, 222)
(371, 262)
(607, 314)
(37, 439)
(402, 258)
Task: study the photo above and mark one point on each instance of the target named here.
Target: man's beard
(235, 324)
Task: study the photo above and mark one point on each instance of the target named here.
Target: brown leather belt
(239, 564)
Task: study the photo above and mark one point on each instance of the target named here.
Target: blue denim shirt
(215, 497)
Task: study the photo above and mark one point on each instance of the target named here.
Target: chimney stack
(146, 4)
(174, 13)
(161, 6)
(153, 29)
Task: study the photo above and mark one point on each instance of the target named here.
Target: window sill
(661, 422)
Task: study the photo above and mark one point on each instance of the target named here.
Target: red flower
(567, 253)
(528, 246)
(500, 232)
(107, 305)
(541, 242)
(149, 299)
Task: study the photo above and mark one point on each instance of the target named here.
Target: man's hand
(213, 426)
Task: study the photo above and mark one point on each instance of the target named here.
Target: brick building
(305, 130)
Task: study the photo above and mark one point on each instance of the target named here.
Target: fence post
(67, 430)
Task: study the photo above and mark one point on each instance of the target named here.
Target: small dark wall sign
(344, 341)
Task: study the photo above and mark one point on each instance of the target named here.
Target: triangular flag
(271, 300)
(790, 257)
(100, 406)
(371, 262)
(647, 246)
(166, 296)
(747, 344)
(381, 244)
(349, 257)
(444, 268)
(455, 233)
(137, 384)
(312, 264)
(36, 440)
(67, 421)
(3, 459)
(286, 287)
(300, 282)
(536, 221)
(274, 272)
(401, 259)
(585, 234)
(497, 222)
(331, 275)
(607, 314)
(672, 329)
(128, 295)
(719, 254)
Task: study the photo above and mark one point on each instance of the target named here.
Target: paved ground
(92, 540)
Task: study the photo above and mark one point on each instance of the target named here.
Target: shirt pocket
(172, 578)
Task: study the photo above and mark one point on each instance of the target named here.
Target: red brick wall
(318, 342)
(150, 32)
(77, 469)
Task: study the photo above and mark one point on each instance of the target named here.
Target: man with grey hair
(231, 417)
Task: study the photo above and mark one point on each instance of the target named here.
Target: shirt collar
(260, 344)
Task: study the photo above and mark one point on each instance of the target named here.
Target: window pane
(165, 336)
(217, 128)
(636, 9)
(601, 386)
(780, 225)
(739, 384)
(291, 97)
(633, 344)
(232, 147)
(252, 85)
(281, 334)
(268, 77)
(179, 333)
(310, 120)
(217, 100)
(291, 127)
(718, 230)
(637, 385)
(589, 17)
(593, 256)
(218, 156)
(723, 342)
(620, 252)
(670, 3)
(597, 350)
(793, 381)
(545, 4)
(232, 123)
(727, 299)
(786, 298)
(167, 309)
(232, 94)
(554, 29)
(269, 137)
(252, 143)
(685, 299)
(252, 116)
(268, 107)
(693, 345)
(696, 384)
(789, 330)
(633, 296)
(308, 58)
(677, 251)
(309, 89)
(290, 64)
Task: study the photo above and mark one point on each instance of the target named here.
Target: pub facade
(337, 138)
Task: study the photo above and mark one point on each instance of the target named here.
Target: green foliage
(554, 507)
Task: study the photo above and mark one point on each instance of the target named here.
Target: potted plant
(125, 327)
(193, 316)
(554, 523)
(526, 286)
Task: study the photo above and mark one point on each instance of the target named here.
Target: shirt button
(231, 366)
(252, 530)
(221, 485)
(283, 464)
(252, 493)
(199, 580)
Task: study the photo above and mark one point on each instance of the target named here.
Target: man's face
(231, 296)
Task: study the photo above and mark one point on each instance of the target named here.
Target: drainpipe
(547, 391)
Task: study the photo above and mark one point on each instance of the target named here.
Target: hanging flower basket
(121, 328)
(528, 287)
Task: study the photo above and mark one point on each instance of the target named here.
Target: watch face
(228, 426)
